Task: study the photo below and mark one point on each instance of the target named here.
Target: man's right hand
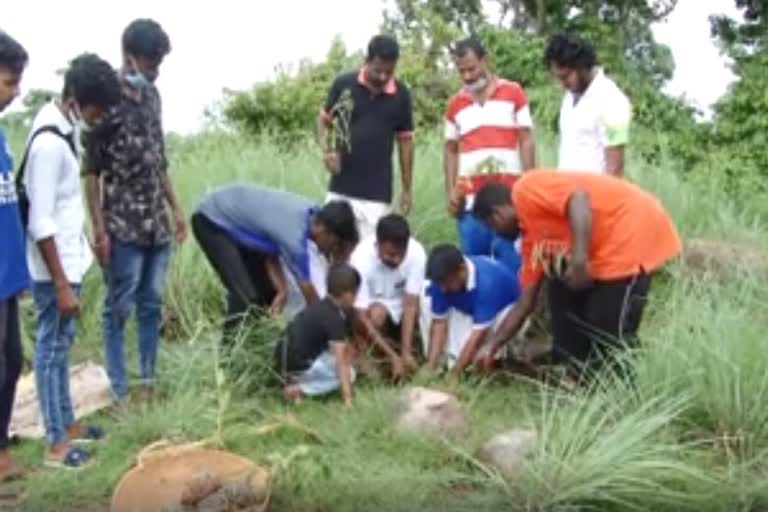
(456, 203)
(331, 162)
(103, 248)
(66, 301)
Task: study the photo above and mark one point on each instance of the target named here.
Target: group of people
(360, 284)
(347, 273)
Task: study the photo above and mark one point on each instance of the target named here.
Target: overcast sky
(233, 43)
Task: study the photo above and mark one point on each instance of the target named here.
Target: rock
(432, 412)
(507, 451)
(721, 258)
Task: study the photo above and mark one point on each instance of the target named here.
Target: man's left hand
(578, 275)
(406, 201)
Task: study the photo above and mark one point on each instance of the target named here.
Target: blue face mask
(136, 79)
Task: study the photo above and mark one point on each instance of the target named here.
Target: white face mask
(478, 85)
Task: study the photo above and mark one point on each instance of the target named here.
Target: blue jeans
(55, 335)
(134, 278)
(478, 239)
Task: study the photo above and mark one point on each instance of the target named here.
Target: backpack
(21, 190)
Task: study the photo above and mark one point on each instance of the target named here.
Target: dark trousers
(589, 325)
(10, 363)
(241, 270)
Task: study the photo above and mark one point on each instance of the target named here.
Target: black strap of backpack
(43, 129)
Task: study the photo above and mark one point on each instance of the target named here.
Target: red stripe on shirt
(489, 137)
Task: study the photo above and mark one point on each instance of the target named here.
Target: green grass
(691, 435)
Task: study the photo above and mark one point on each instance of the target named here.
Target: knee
(378, 314)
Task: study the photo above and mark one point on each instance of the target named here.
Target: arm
(614, 161)
(515, 318)
(410, 313)
(343, 369)
(277, 279)
(527, 149)
(178, 212)
(374, 335)
(101, 238)
(309, 292)
(469, 352)
(406, 152)
(580, 221)
(325, 125)
(438, 335)
(451, 171)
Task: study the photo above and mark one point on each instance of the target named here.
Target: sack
(21, 190)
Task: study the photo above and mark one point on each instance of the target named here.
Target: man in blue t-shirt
(469, 298)
(14, 277)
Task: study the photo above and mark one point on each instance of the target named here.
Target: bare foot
(293, 393)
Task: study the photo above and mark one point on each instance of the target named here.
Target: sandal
(74, 459)
(92, 433)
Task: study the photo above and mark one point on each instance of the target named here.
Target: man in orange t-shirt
(597, 239)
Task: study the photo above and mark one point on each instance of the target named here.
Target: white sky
(234, 43)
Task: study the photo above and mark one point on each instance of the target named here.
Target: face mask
(478, 85)
(136, 79)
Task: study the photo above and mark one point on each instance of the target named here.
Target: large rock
(720, 258)
(507, 451)
(427, 411)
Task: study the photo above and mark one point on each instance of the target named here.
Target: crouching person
(314, 356)
(58, 252)
(469, 298)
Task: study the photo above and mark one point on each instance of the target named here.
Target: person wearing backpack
(14, 277)
(58, 251)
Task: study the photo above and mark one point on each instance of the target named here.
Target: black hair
(342, 278)
(444, 260)
(90, 80)
(489, 197)
(569, 51)
(469, 44)
(384, 47)
(146, 38)
(393, 228)
(338, 218)
(13, 56)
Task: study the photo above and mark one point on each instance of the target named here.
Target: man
(597, 240)
(58, 252)
(128, 192)
(392, 265)
(313, 356)
(470, 296)
(364, 113)
(14, 277)
(252, 234)
(595, 114)
(488, 138)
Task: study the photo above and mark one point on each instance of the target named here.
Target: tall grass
(690, 434)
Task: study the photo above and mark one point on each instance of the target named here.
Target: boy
(470, 296)
(314, 354)
(58, 252)
(14, 277)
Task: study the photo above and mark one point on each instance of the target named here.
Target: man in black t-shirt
(313, 356)
(364, 113)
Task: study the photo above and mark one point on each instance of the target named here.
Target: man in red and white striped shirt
(488, 132)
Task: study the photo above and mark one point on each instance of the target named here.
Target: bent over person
(596, 240)
(252, 235)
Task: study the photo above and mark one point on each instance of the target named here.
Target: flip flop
(75, 458)
(92, 433)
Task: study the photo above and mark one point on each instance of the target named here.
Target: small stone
(432, 412)
(507, 451)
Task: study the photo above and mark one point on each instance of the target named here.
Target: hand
(278, 303)
(578, 276)
(66, 301)
(409, 362)
(181, 226)
(398, 369)
(331, 162)
(456, 203)
(406, 201)
(103, 248)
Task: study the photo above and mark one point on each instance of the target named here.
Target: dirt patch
(722, 258)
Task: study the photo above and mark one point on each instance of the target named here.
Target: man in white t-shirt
(392, 266)
(595, 114)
